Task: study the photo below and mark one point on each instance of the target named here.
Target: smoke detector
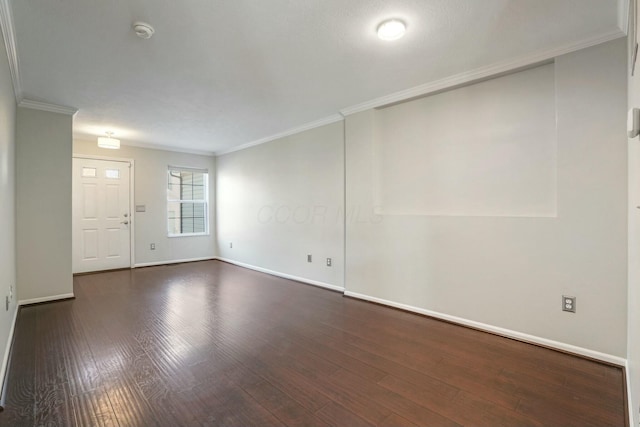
(143, 30)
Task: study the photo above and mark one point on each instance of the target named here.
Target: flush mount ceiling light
(391, 29)
(143, 30)
(108, 142)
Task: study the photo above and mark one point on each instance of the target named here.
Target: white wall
(279, 201)
(8, 205)
(510, 272)
(471, 157)
(151, 191)
(633, 325)
(43, 200)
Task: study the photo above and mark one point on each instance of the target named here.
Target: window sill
(188, 235)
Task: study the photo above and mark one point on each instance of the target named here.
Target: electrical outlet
(328, 262)
(152, 246)
(230, 245)
(568, 304)
(309, 258)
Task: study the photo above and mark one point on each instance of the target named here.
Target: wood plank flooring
(212, 344)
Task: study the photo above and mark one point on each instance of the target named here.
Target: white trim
(609, 358)
(44, 106)
(132, 213)
(7, 351)
(9, 34)
(283, 275)
(94, 157)
(307, 126)
(623, 15)
(629, 398)
(187, 169)
(166, 148)
(45, 299)
(204, 202)
(173, 236)
(133, 144)
(173, 261)
(481, 73)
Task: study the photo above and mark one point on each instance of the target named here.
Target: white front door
(101, 216)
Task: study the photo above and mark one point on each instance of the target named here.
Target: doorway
(102, 221)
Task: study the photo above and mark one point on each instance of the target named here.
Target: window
(89, 172)
(187, 202)
(112, 173)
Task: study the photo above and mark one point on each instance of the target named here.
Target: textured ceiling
(219, 74)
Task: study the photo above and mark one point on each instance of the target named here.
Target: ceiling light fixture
(391, 29)
(143, 30)
(108, 142)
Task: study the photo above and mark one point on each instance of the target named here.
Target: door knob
(125, 222)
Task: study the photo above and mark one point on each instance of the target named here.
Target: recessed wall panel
(113, 242)
(112, 195)
(89, 244)
(90, 206)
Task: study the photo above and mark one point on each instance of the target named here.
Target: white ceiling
(220, 74)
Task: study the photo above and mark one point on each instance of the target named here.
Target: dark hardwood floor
(209, 343)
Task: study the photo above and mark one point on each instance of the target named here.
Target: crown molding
(623, 15)
(481, 73)
(9, 34)
(44, 106)
(92, 139)
(167, 148)
(308, 126)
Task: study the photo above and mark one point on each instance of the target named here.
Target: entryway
(102, 221)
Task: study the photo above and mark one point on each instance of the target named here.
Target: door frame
(132, 221)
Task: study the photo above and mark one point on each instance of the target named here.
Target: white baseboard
(45, 299)
(283, 275)
(7, 351)
(173, 261)
(615, 360)
(627, 377)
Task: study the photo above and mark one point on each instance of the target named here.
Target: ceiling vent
(143, 30)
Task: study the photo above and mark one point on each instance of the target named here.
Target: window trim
(204, 201)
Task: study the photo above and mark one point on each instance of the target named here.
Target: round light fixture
(143, 30)
(391, 29)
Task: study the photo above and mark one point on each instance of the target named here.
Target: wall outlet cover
(568, 303)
